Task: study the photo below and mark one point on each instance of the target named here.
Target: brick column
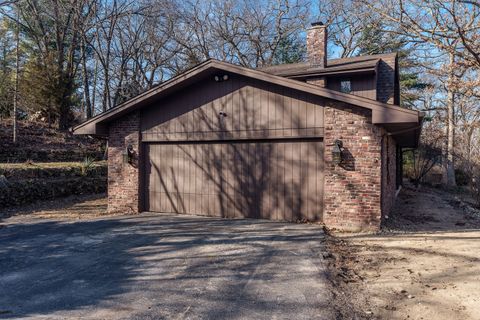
(123, 178)
(352, 193)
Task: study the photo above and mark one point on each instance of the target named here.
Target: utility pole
(17, 63)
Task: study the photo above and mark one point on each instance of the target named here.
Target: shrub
(86, 165)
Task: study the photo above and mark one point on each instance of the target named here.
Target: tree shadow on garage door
(279, 180)
(242, 170)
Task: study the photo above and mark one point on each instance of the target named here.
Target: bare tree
(448, 31)
(247, 33)
(53, 27)
(346, 22)
(427, 155)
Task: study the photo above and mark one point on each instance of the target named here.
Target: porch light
(337, 152)
(128, 154)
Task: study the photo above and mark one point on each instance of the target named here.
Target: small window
(346, 86)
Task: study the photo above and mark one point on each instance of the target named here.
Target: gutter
(404, 130)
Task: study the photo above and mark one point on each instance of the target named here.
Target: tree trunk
(94, 89)
(449, 163)
(106, 93)
(86, 85)
(63, 117)
(17, 68)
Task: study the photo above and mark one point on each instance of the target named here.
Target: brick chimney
(317, 45)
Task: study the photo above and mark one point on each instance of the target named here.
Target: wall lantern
(128, 154)
(337, 152)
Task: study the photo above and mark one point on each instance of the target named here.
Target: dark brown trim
(141, 175)
(318, 132)
(246, 140)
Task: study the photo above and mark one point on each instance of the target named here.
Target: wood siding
(251, 109)
(270, 179)
(361, 86)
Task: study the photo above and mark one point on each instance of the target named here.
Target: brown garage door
(280, 180)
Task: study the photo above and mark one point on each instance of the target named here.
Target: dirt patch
(423, 265)
(72, 207)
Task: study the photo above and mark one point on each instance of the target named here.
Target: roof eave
(92, 126)
(381, 113)
(329, 73)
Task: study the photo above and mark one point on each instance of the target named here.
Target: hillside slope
(39, 143)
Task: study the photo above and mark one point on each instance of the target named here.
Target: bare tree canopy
(78, 58)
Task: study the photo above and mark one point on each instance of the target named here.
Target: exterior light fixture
(337, 152)
(128, 154)
(220, 78)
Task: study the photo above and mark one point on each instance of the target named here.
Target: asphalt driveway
(156, 266)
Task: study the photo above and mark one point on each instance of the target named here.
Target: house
(314, 141)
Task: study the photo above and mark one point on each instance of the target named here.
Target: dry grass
(47, 165)
(73, 207)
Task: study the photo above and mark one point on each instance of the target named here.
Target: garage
(278, 179)
(226, 141)
(240, 148)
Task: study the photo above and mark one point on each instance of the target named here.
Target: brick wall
(352, 194)
(123, 178)
(386, 80)
(389, 185)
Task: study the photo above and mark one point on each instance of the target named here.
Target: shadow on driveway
(163, 266)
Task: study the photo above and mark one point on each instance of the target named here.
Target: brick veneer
(352, 193)
(123, 178)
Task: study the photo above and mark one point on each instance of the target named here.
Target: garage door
(279, 180)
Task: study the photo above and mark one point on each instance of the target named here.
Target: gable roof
(362, 64)
(381, 113)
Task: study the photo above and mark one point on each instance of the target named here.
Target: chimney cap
(317, 23)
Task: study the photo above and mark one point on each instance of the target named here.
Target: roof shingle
(362, 63)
